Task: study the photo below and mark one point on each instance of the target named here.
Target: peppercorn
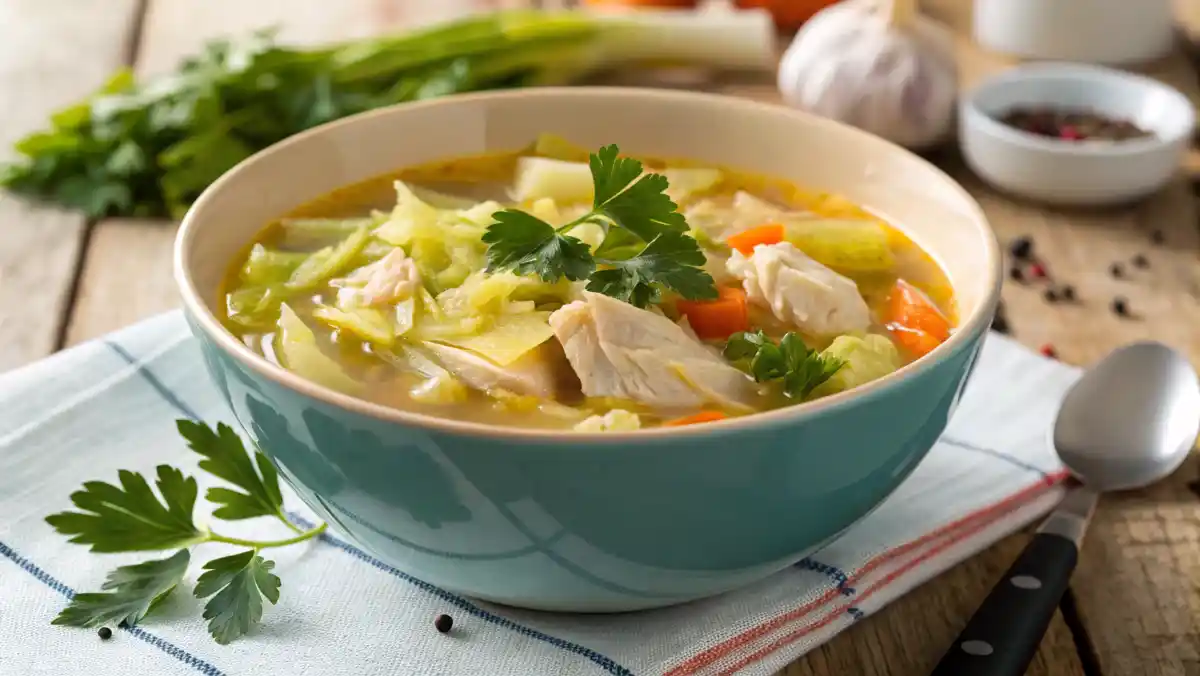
(1158, 237)
(105, 633)
(1037, 270)
(1021, 248)
(1120, 307)
(1015, 274)
(443, 623)
(1141, 261)
(1068, 292)
(1048, 350)
(1116, 270)
(1050, 295)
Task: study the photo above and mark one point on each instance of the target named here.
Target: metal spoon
(1128, 422)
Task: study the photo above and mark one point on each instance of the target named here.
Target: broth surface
(257, 295)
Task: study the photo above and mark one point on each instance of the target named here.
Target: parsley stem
(578, 221)
(291, 526)
(264, 544)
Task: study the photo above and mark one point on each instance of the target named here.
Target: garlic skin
(877, 66)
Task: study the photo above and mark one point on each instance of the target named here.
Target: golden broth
(487, 177)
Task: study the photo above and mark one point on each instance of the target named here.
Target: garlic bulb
(877, 65)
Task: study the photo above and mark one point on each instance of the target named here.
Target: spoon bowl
(1131, 420)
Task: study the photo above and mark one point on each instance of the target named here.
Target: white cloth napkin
(112, 404)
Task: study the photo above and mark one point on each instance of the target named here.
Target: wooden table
(1134, 606)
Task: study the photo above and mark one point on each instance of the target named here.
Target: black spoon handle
(1004, 633)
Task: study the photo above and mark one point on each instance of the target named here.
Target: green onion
(149, 149)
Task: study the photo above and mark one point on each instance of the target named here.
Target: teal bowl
(592, 522)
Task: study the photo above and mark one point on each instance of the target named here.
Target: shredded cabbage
(439, 387)
(685, 183)
(369, 324)
(328, 262)
(445, 245)
(297, 347)
(264, 266)
(616, 420)
(510, 337)
(406, 316)
(306, 233)
(254, 307)
(866, 358)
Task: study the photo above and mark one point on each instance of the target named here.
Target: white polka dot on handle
(977, 648)
(1026, 582)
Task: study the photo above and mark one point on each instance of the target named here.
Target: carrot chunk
(766, 234)
(717, 319)
(701, 417)
(913, 320)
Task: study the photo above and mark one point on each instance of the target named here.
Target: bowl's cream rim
(977, 322)
(1099, 76)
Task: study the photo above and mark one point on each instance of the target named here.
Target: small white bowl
(1075, 172)
(1109, 32)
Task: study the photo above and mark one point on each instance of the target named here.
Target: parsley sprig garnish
(644, 250)
(131, 517)
(799, 369)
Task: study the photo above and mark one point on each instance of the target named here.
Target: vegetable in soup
(556, 288)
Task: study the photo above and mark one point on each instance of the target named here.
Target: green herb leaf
(525, 244)
(131, 593)
(642, 208)
(149, 149)
(240, 582)
(129, 517)
(799, 369)
(611, 174)
(669, 260)
(227, 458)
(644, 249)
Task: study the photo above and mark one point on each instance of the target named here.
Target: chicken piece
(389, 279)
(618, 350)
(800, 291)
(541, 372)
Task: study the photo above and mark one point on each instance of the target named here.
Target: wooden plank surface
(109, 297)
(51, 54)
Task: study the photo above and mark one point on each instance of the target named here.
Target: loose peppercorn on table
(1078, 284)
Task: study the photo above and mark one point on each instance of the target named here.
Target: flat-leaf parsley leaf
(671, 260)
(526, 244)
(240, 582)
(644, 249)
(226, 457)
(791, 361)
(130, 517)
(129, 593)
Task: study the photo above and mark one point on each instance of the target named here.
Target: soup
(557, 288)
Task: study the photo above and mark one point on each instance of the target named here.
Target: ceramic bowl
(1075, 173)
(1110, 32)
(592, 522)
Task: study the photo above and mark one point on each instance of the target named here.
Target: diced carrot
(768, 233)
(701, 417)
(913, 319)
(717, 319)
